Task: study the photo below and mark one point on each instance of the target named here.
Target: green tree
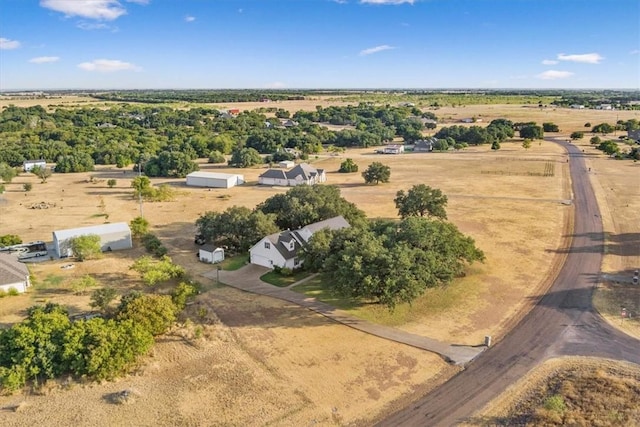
(376, 173)
(111, 182)
(155, 313)
(27, 186)
(142, 185)
(306, 204)
(10, 239)
(595, 140)
(495, 145)
(550, 127)
(576, 135)
(531, 132)
(82, 284)
(154, 271)
(421, 200)
(183, 292)
(86, 247)
(216, 157)
(7, 173)
(587, 125)
(238, 227)
(102, 298)
(42, 173)
(526, 144)
(348, 166)
(603, 128)
(245, 157)
(139, 227)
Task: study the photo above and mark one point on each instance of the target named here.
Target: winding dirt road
(563, 322)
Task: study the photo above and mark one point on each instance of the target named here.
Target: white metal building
(13, 274)
(214, 180)
(211, 254)
(112, 237)
(286, 164)
(28, 165)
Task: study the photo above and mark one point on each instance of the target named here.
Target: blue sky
(218, 44)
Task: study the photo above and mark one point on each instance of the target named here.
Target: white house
(281, 249)
(604, 107)
(393, 149)
(112, 237)
(214, 180)
(211, 254)
(13, 274)
(577, 106)
(424, 145)
(28, 165)
(301, 174)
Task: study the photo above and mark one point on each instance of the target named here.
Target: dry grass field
(569, 391)
(256, 361)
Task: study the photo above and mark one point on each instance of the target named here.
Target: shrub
(27, 186)
(216, 157)
(111, 183)
(153, 245)
(86, 247)
(3, 293)
(286, 271)
(139, 227)
(348, 166)
(79, 286)
(555, 403)
(182, 293)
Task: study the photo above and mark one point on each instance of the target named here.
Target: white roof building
(112, 237)
(214, 179)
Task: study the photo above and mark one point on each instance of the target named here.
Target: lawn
(235, 262)
(277, 279)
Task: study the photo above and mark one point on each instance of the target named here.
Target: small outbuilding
(286, 164)
(13, 274)
(214, 179)
(28, 165)
(211, 254)
(113, 237)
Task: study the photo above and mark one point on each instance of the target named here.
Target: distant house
(393, 149)
(301, 174)
(282, 249)
(288, 123)
(577, 106)
(211, 254)
(214, 180)
(13, 274)
(604, 107)
(113, 237)
(424, 145)
(634, 134)
(28, 165)
(234, 111)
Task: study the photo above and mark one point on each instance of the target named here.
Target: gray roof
(93, 229)
(12, 270)
(281, 243)
(335, 223)
(303, 169)
(210, 247)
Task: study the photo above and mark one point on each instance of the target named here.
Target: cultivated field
(259, 361)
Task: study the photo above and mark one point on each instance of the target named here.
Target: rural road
(563, 322)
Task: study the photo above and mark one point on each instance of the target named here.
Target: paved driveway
(247, 279)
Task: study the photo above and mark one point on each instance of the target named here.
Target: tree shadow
(625, 244)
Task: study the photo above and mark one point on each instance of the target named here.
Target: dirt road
(563, 322)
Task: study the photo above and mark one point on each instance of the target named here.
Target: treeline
(201, 96)
(167, 140)
(625, 100)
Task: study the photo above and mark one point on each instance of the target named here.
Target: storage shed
(214, 180)
(112, 237)
(286, 164)
(13, 274)
(28, 165)
(211, 254)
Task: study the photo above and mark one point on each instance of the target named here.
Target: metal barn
(214, 180)
(112, 237)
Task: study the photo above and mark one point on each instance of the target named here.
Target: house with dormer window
(282, 249)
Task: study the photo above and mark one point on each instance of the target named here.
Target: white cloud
(554, 75)
(549, 62)
(275, 85)
(634, 52)
(587, 58)
(108, 66)
(387, 1)
(189, 18)
(92, 26)
(104, 10)
(6, 44)
(375, 49)
(44, 59)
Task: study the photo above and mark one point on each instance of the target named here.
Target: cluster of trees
(142, 188)
(497, 131)
(47, 344)
(238, 228)
(205, 96)
(391, 262)
(374, 125)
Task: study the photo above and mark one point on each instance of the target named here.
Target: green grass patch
(51, 281)
(432, 302)
(277, 279)
(234, 262)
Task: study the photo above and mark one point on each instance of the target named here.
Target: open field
(285, 365)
